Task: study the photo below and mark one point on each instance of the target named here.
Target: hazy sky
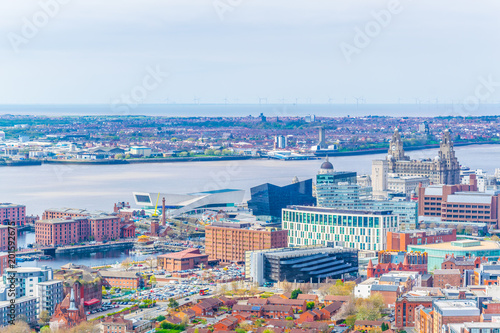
(88, 51)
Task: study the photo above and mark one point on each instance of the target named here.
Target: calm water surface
(99, 187)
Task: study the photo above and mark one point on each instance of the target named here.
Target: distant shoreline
(223, 158)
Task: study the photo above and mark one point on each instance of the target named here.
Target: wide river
(98, 187)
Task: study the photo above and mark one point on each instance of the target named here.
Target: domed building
(443, 169)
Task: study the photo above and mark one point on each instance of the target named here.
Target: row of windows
(341, 220)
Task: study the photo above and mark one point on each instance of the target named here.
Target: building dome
(326, 165)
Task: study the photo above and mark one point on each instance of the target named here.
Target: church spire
(72, 306)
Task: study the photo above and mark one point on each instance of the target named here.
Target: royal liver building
(443, 169)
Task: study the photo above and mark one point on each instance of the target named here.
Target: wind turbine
(357, 100)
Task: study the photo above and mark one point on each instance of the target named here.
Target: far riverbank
(225, 158)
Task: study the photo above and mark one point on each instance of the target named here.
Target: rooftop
(9, 205)
(483, 245)
(340, 211)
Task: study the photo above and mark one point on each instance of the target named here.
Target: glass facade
(268, 199)
(354, 229)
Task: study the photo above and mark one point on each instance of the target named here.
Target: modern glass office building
(339, 190)
(268, 200)
(357, 229)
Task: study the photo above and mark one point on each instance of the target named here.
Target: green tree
(350, 320)
(295, 293)
(172, 303)
(160, 318)
(152, 280)
(310, 305)
(45, 329)
(44, 317)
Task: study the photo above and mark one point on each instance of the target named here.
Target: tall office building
(340, 190)
(267, 200)
(362, 230)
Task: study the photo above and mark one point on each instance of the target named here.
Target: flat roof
(9, 205)
(339, 211)
(470, 198)
(296, 252)
(484, 245)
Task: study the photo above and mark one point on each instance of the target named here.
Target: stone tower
(396, 147)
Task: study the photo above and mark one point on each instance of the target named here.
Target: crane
(155, 214)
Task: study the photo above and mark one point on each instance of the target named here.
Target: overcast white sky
(94, 51)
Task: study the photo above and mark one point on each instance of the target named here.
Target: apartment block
(25, 307)
(228, 241)
(12, 212)
(4, 238)
(49, 294)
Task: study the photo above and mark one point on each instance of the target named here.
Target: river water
(98, 187)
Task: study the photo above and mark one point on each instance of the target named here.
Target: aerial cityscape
(249, 167)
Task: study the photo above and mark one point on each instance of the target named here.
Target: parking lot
(104, 310)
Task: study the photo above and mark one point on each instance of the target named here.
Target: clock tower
(396, 147)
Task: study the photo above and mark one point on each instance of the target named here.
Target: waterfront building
(4, 239)
(27, 278)
(140, 151)
(362, 230)
(300, 264)
(461, 203)
(183, 260)
(443, 169)
(397, 261)
(120, 279)
(63, 213)
(399, 241)
(12, 212)
(25, 307)
(193, 203)
(267, 200)
(228, 241)
(280, 142)
(437, 253)
(49, 294)
(67, 231)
